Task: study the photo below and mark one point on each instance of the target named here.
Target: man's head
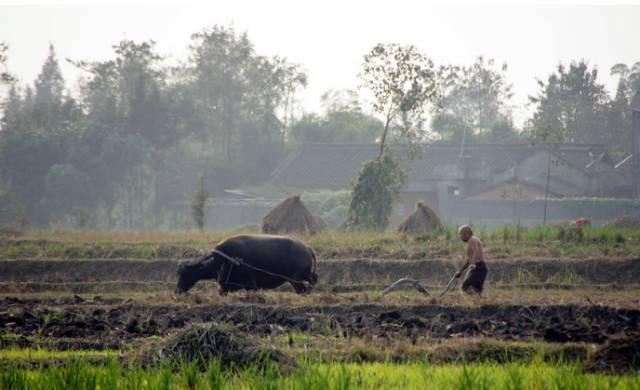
(465, 232)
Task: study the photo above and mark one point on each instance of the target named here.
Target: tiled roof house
(441, 172)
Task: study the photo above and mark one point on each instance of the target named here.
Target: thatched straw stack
(291, 216)
(205, 342)
(422, 221)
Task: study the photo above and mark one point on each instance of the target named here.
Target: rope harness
(237, 261)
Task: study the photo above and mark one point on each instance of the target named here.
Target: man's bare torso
(474, 250)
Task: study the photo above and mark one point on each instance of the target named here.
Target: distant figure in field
(474, 283)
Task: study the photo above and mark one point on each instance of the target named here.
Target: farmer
(474, 282)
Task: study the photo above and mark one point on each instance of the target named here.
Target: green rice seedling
(312, 377)
(514, 377)
(505, 234)
(110, 372)
(13, 378)
(190, 375)
(215, 376)
(162, 379)
(524, 276)
(567, 277)
(73, 375)
(259, 377)
(570, 378)
(130, 377)
(415, 375)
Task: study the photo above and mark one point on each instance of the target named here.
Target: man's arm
(459, 273)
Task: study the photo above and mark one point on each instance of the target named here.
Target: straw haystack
(422, 221)
(291, 216)
(202, 343)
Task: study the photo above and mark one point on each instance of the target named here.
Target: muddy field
(125, 304)
(108, 323)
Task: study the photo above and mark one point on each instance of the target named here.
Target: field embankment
(566, 242)
(333, 273)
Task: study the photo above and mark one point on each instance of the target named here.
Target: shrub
(375, 190)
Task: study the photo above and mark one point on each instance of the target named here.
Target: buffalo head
(189, 272)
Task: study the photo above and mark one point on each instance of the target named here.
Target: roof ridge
(566, 145)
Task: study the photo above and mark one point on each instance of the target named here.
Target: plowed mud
(120, 323)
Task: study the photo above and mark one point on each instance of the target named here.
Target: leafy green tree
(198, 206)
(49, 90)
(219, 58)
(402, 81)
(5, 76)
(262, 134)
(240, 96)
(374, 191)
(39, 130)
(343, 121)
(629, 82)
(474, 103)
(295, 78)
(66, 188)
(573, 103)
(129, 119)
(627, 98)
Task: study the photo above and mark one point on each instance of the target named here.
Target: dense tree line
(576, 108)
(135, 142)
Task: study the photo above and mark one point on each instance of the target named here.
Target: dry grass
(207, 295)
(371, 348)
(502, 243)
(126, 236)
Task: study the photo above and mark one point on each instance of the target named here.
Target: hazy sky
(329, 38)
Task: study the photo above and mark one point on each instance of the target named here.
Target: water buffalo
(253, 262)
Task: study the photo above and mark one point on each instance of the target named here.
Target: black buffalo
(253, 262)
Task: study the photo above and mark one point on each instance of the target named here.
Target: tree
(550, 138)
(402, 81)
(474, 103)
(130, 118)
(294, 79)
(626, 99)
(261, 133)
(629, 82)
(343, 121)
(240, 95)
(219, 58)
(198, 206)
(374, 191)
(66, 188)
(40, 129)
(49, 90)
(5, 76)
(573, 103)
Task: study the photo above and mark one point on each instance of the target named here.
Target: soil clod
(620, 354)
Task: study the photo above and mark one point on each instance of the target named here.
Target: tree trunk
(384, 134)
